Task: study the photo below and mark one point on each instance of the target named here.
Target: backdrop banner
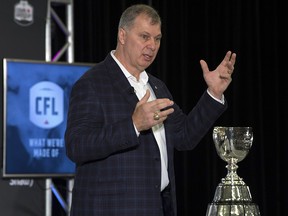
(23, 24)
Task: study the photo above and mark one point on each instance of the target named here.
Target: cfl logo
(46, 104)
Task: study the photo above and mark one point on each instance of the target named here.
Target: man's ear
(121, 35)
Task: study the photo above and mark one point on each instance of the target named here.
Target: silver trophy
(232, 196)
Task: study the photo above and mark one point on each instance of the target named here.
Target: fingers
(160, 116)
(232, 58)
(156, 106)
(160, 104)
(161, 110)
(150, 113)
(145, 98)
(229, 60)
(227, 56)
(204, 65)
(228, 63)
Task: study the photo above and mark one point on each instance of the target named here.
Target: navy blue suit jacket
(117, 172)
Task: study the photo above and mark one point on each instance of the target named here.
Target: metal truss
(67, 48)
(66, 27)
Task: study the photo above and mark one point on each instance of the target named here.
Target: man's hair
(129, 15)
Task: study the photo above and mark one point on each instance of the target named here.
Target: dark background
(193, 30)
(16, 41)
(205, 29)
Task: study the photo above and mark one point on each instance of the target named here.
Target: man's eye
(145, 37)
(158, 39)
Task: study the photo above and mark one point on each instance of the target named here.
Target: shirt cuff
(137, 132)
(222, 101)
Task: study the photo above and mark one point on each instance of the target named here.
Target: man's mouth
(148, 57)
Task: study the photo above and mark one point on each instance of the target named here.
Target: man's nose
(152, 44)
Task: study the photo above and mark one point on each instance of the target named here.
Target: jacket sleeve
(186, 131)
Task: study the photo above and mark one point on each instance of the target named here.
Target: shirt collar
(143, 75)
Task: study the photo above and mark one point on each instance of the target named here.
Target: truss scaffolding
(66, 27)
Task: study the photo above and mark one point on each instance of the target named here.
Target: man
(123, 125)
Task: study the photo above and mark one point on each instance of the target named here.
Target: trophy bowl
(232, 142)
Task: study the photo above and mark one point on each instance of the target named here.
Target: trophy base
(232, 198)
(232, 209)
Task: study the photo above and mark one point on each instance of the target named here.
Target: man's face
(140, 44)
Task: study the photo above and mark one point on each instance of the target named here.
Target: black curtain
(205, 29)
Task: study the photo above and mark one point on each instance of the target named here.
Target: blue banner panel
(23, 29)
(36, 100)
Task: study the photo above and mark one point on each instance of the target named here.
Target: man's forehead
(145, 18)
(144, 23)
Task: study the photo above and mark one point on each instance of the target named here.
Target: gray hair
(130, 14)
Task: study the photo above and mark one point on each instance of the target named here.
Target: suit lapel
(157, 87)
(123, 86)
(120, 82)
